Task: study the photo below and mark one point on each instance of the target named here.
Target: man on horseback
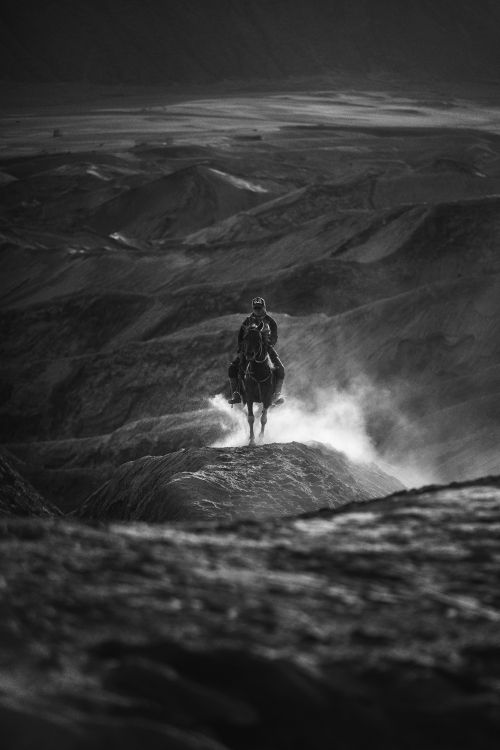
(269, 329)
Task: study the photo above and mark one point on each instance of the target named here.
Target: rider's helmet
(259, 307)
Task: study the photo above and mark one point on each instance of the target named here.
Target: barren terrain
(133, 241)
(168, 585)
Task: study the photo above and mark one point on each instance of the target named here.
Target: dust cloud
(333, 417)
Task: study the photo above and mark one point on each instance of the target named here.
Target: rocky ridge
(225, 484)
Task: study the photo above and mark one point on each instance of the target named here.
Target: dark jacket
(273, 338)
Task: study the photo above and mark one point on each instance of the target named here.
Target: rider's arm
(242, 331)
(273, 338)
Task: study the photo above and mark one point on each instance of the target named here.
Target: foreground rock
(228, 483)
(376, 626)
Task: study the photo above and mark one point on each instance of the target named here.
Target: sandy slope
(175, 205)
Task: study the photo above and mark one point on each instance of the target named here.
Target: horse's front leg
(251, 420)
(263, 421)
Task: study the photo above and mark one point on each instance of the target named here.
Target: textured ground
(372, 626)
(225, 484)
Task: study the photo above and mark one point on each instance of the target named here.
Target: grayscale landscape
(163, 583)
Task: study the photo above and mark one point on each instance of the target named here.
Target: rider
(269, 328)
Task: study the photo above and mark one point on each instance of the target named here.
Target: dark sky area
(195, 41)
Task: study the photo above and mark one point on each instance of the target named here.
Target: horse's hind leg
(263, 421)
(251, 420)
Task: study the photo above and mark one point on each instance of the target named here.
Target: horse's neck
(262, 355)
(259, 368)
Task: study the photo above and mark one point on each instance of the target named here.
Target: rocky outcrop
(18, 497)
(229, 483)
(372, 626)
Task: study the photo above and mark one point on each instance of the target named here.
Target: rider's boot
(277, 397)
(235, 398)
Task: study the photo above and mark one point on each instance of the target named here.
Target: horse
(258, 379)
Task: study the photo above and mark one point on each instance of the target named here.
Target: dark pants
(238, 365)
(278, 364)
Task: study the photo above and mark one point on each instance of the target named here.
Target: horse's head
(253, 344)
